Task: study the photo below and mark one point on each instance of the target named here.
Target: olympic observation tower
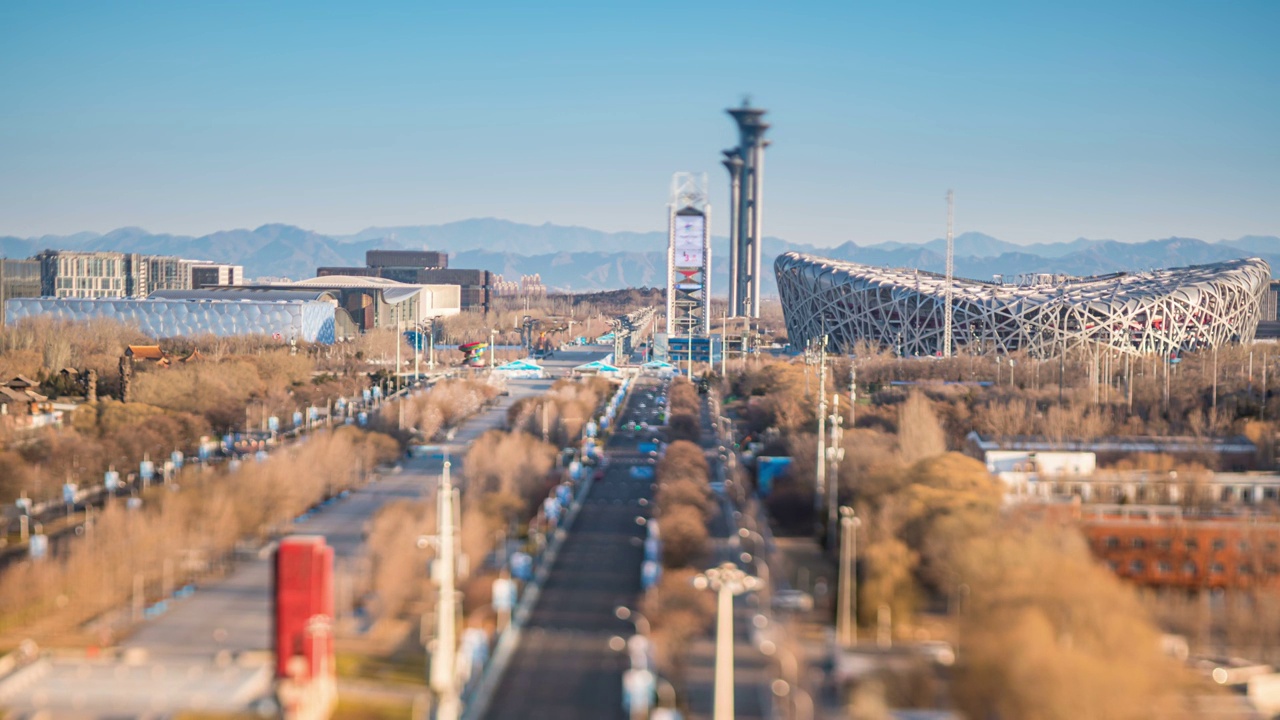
(745, 164)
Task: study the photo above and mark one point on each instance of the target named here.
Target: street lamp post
(431, 346)
(1262, 414)
(760, 557)
(690, 366)
(623, 612)
(846, 619)
(835, 453)
(444, 661)
(820, 468)
(788, 686)
(399, 394)
(1215, 381)
(724, 348)
(853, 390)
(638, 649)
(727, 580)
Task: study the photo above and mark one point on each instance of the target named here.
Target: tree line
(1043, 630)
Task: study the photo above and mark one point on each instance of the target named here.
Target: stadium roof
(1153, 311)
(1187, 281)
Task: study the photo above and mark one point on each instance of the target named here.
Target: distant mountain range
(580, 259)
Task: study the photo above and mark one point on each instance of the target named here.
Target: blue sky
(1125, 120)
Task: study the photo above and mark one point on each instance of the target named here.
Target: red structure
(1162, 547)
(304, 609)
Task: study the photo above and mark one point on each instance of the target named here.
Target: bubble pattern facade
(303, 320)
(1161, 311)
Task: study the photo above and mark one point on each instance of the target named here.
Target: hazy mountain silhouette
(578, 258)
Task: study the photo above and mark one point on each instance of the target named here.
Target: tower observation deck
(745, 164)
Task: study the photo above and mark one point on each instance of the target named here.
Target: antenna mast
(951, 253)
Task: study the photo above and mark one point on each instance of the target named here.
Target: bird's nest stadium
(1162, 311)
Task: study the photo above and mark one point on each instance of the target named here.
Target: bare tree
(920, 435)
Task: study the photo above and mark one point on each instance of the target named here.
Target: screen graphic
(688, 241)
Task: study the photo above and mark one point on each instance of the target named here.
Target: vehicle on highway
(938, 651)
(793, 600)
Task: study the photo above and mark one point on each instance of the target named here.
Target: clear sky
(1125, 120)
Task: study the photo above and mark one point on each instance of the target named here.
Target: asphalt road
(563, 667)
(176, 660)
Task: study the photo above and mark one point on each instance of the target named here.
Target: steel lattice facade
(1162, 311)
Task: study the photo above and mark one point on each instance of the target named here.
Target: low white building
(1050, 463)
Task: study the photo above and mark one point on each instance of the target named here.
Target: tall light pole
(724, 346)
(727, 580)
(690, 366)
(853, 389)
(444, 660)
(1215, 383)
(835, 454)
(431, 346)
(623, 612)
(846, 618)
(1266, 358)
(950, 289)
(638, 649)
(820, 470)
(399, 396)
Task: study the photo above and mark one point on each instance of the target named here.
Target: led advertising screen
(689, 241)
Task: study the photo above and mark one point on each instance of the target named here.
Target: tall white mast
(951, 254)
(444, 661)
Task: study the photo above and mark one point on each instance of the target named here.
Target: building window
(1137, 543)
(1219, 544)
(1164, 544)
(1243, 545)
(1217, 568)
(1272, 570)
(1190, 544)
(1164, 567)
(1245, 569)
(1189, 568)
(1111, 542)
(1137, 567)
